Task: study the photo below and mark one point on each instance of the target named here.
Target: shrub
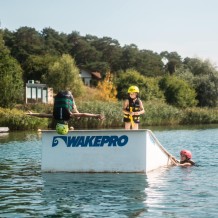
(17, 120)
(178, 92)
(148, 86)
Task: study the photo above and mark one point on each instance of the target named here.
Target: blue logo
(91, 141)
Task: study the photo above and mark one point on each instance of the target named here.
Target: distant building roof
(97, 75)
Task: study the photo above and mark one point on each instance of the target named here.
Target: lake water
(169, 192)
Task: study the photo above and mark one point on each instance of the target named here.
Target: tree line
(55, 59)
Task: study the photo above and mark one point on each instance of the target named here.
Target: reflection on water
(4, 135)
(20, 136)
(155, 181)
(95, 195)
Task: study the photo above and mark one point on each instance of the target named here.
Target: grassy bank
(16, 119)
(156, 114)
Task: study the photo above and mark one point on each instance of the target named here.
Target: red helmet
(187, 153)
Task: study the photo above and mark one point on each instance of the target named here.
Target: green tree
(128, 58)
(148, 63)
(9, 38)
(86, 55)
(64, 75)
(36, 66)
(27, 41)
(178, 92)
(184, 73)
(148, 87)
(55, 43)
(111, 52)
(11, 83)
(206, 92)
(205, 81)
(174, 61)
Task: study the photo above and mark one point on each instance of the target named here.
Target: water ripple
(168, 192)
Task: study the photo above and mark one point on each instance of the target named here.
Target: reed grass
(156, 114)
(111, 110)
(17, 120)
(159, 113)
(200, 116)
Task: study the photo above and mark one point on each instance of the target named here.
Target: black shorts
(127, 120)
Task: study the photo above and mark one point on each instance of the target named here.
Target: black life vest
(134, 106)
(63, 105)
(188, 161)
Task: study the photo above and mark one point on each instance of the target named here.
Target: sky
(188, 27)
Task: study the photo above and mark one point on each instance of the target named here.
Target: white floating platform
(102, 151)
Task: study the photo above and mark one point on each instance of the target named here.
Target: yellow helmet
(62, 129)
(133, 89)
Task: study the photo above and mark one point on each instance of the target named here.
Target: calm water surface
(169, 192)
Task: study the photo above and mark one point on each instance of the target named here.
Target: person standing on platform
(132, 109)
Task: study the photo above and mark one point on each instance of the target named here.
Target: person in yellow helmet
(64, 109)
(132, 109)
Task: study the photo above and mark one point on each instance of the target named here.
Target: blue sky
(188, 27)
